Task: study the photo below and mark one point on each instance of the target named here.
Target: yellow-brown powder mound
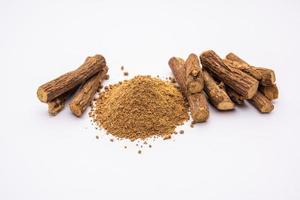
(140, 108)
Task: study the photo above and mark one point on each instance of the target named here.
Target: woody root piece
(217, 95)
(235, 97)
(261, 103)
(49, 91)
(271, 92)
(194, 76)
(242, 83)
(265, 76)
(197, 101)
(58, 104)
(84, 96)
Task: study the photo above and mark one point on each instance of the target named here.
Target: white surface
(235, 155)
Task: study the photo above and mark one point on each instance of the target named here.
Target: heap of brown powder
(140, 108)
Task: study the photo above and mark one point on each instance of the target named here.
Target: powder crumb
(106, 77)
(125, 73)
(181, 131)
(167, 137)
(192, 125)
(173, 80)
(111, 140)
(175, 133)
(97, 136)
(139, 152)
(125, 147)
(150, 145)
(122, 68)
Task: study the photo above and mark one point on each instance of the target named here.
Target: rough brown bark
(217, 96)
(268, 76)
(198, 103)
(271, 92)
(244, 67)
(194, 76)
(58, 104)
(64, 83)
(261, 103)
(84, 96)
(235, 97)
(264, 75)
(240, 82)
(199, 107)
(177, 66)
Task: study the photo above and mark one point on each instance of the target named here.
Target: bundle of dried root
(83, 82)
(223, 82)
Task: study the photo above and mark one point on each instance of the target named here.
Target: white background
(235, 155)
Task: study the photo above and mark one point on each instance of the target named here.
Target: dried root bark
(235, 97)
(242, 83)
(49, 91)
(84, 96)
(261, 103)
(268, 76)
(58, 104)
(217, 96)
(265, 76)
(194, 76)
(243, 67)
(271, 92)
(199, 107)
(177, 66)
(197, 101)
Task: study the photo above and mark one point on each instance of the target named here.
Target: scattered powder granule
(139, 108)
(167, 137)
(125, 73)
(173, 80)
(106, 77)
(122, 68)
